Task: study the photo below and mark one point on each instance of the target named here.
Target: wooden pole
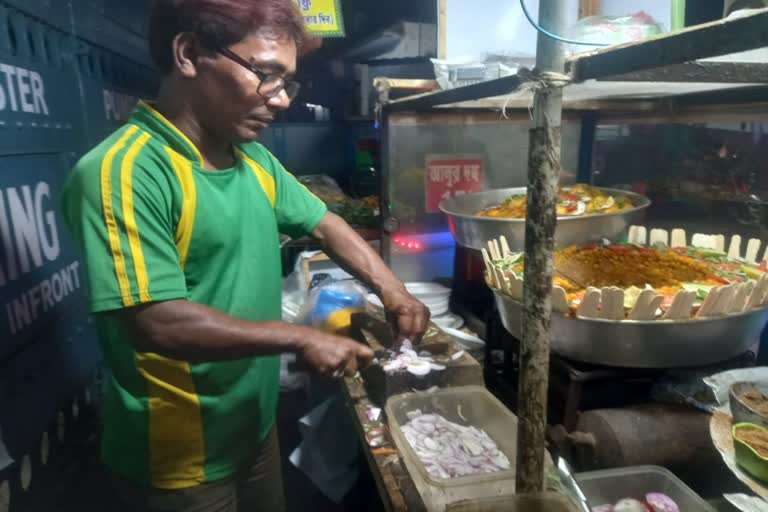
(543, 177)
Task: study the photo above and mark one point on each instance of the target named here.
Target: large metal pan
(652, 344)
(473, 231)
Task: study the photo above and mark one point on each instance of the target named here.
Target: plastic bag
(294, 295)
(328, 454)
(613, 30)
(705, 388)
(330, 305)
(323, 186)
(295, 284)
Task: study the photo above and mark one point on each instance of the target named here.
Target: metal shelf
(720, 37)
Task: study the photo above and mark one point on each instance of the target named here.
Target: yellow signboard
(322, 17)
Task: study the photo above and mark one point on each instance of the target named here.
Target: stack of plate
(435, 297)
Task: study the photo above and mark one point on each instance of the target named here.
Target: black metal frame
(666, 58)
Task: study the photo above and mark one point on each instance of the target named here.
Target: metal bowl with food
(472, 227)
(644, 344)
(749, 403)
(644, 306)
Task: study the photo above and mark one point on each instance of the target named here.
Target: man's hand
(410, 316)
(355, 256)
(330, 355)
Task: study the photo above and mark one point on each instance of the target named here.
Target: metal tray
(474, 231)
(649, 344)
(611, 485)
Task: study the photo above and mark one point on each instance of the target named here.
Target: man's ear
(186, 54)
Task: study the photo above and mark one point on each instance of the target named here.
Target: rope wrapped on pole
(534, 81)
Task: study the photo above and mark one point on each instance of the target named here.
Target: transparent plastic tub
(543, 502)
(611, 485)
(481, 410)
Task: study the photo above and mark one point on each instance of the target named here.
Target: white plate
(466, 340)
(448, 320)
(428, 290)
(436, 307)
(438, 310)
(435, 304)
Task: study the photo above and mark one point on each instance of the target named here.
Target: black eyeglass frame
(279, 82)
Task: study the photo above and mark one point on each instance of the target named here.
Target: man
(178, 214)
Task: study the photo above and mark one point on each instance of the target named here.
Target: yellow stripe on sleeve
(109, 216)
(129, 217)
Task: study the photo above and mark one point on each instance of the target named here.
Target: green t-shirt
(153, 226)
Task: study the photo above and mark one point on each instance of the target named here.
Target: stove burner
(576, 386)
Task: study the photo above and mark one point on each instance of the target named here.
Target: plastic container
(478, 408)
(611, 485)
(747, 457)
(542, 502)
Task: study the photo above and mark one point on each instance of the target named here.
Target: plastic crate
(611, 485)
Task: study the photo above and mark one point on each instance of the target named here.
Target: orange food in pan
(577, 200)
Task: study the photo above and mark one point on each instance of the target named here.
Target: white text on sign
(118, 106)
(29, 239)
(22, 90)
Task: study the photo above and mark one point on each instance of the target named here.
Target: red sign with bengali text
(449, 176)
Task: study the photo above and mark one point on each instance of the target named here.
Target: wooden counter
(395, 486)
(393, 482)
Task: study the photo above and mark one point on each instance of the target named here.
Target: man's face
(228, 104)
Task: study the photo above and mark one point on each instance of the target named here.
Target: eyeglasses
(271, 85)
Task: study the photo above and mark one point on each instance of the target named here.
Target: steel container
(644, 344)
(473, 231)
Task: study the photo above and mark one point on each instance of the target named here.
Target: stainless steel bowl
(474, 231)
(651, 344)
(741, 411)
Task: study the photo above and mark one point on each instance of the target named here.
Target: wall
(60, 93)
(478, 26)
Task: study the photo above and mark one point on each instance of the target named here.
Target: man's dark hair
(219, 23)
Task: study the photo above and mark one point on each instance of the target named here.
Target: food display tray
(645, 344)
(474, 231)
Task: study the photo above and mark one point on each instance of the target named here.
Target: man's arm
(185, 330)
(354, 255)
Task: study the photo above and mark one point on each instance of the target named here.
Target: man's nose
(281, 101)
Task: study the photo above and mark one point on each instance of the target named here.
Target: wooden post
(543, 177)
